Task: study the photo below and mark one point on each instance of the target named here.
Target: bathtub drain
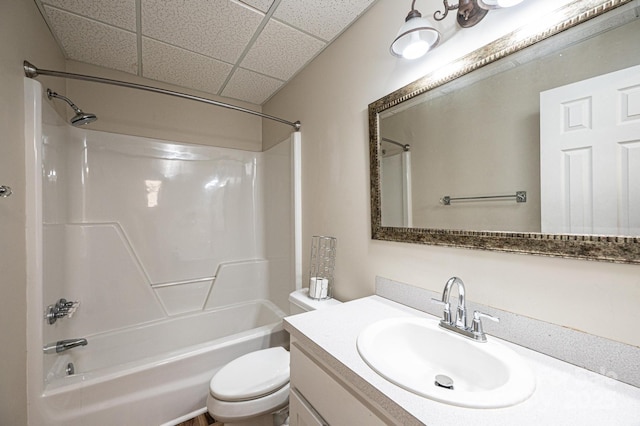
(70, 369)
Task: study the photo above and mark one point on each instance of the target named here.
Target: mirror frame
(617, 249)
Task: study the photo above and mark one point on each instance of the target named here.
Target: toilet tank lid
(301, 298)
(252, 375)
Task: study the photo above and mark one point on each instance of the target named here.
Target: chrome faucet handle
(476, 324)
(73, 306)
(62, 308)
(446, 313)
(64, 304)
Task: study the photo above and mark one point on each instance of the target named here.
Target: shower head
(81, 118)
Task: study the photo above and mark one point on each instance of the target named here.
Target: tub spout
(63, 345)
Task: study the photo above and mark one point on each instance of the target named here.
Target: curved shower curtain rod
(32, 71)
(405, 146)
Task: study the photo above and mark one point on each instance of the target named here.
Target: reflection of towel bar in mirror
(520, 196)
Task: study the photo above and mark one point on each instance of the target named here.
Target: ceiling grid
(245, 50)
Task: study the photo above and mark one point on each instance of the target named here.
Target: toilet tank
(299, 302)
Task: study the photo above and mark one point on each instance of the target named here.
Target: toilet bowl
(253, 388)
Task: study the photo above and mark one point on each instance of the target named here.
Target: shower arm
(51, 94)
(32, 71)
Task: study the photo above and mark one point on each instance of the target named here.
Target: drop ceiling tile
(197, 43)
(280, 51)
(262, 5)
(324, 19)
(121, 13)
(171, 64)
(90, 41)
(220, 29)
(251, 87)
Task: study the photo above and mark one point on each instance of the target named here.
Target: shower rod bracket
(32, 71)
(5, 191)
(29, 69)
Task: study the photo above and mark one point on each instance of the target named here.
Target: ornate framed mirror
(438, 178)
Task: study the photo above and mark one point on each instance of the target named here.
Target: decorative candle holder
(323, 260)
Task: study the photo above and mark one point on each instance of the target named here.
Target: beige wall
(330, 97)
(23, 35)
(153, 115)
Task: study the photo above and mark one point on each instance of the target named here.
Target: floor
(201, 420)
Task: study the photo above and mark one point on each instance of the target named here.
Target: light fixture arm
(469, 12)
(413, 13)
(439, 16)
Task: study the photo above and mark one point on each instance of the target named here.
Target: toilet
(253, 390)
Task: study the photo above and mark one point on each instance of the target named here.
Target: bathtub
(137, 376)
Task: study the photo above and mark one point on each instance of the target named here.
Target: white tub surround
(180, 256)
(564, 395)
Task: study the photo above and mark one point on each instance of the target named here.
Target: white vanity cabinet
(302, 413)
(320, 397)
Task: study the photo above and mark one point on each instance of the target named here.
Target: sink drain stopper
(444, 381)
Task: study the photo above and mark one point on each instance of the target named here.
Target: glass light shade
(415, 38)
(497, 4)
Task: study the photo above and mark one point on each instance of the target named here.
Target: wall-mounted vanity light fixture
(417, 35)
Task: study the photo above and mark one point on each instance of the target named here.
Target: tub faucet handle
(71, 308)
(62, 308)
(65, 304)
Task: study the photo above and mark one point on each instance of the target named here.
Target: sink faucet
(474, 332)
(63, 345)
(461, 311)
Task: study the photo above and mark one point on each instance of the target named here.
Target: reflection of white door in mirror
(396, 190)
(590, 156)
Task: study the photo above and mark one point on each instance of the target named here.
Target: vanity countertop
(565, 394)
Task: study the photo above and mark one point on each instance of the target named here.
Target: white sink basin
(411, 352)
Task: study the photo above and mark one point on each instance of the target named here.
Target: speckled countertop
(565, 394)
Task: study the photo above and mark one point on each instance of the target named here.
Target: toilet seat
(251, 376)
(254, 384)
